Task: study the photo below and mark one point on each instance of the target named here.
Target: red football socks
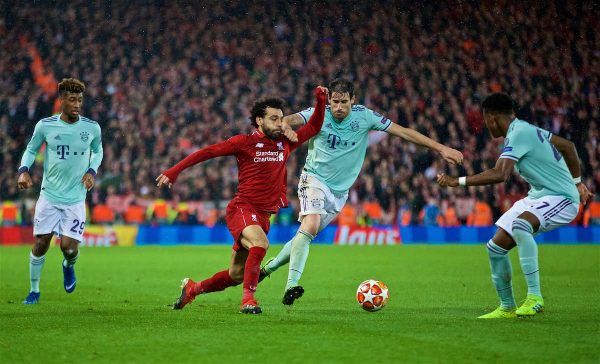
(251, 273)
(218, 282)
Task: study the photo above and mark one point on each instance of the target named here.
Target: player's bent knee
(236, 273)
(503, 239)
(521, 226)
(310, 224)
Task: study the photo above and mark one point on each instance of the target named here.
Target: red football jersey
(261, 161)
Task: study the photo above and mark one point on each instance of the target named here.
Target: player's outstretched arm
(315, 122)
(228, 147)
(451, 156)
(498, 174)
(569, 152)
(288, 123)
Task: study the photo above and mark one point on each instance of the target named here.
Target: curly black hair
(499, 103)
(70, 85)
(259, 110)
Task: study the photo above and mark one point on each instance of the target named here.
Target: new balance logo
(280, 146)
(259, 145)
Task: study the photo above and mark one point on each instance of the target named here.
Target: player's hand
(24, 181)
(584, 194)
(88, 181)
(163, 181)
(289, 133)
(447, 181)
(451, 156)
(321, 93)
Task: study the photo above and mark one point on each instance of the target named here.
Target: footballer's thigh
(552, 212)
(42, 244)
(72, 221)
(544, 214)
(254, 236)
(318, 205)
(46, 219)
(312, 196)
(45, 223)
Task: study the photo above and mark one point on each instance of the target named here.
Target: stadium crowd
(164, 79)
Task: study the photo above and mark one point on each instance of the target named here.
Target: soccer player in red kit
(261, 191)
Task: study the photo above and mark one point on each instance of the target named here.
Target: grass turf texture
(119, 312)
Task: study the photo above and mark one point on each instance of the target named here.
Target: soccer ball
(372, 295)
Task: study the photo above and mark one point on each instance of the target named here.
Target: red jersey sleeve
(315, 122)
(229, 147)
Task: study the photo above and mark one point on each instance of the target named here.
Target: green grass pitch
(119, 312)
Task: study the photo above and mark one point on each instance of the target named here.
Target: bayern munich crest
(84, 136)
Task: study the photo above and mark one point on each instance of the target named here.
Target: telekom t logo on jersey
(333, 140)
(62, 150)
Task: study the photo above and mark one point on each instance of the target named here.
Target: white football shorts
(64, 220)
(316, 198)
(551, 211)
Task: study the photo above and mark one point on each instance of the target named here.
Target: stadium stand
(161, 89)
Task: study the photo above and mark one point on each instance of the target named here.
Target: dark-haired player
(261, 158)
(71, 160)
(550, 165)
(335, 157)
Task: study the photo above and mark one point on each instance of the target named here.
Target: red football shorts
(238, 217)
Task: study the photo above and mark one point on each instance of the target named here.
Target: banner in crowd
(94, 235)
(350, 235)
(105, 236)
(129, 235)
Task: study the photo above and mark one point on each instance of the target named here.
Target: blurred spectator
(10, 214)
(592, 213)
(134, 214)
(103, 214)
(348, 216)
(373, 210)
(431, 213)
(482, 213)
(158, 211)
(404, 213)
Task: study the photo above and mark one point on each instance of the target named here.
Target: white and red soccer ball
(372, 295)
